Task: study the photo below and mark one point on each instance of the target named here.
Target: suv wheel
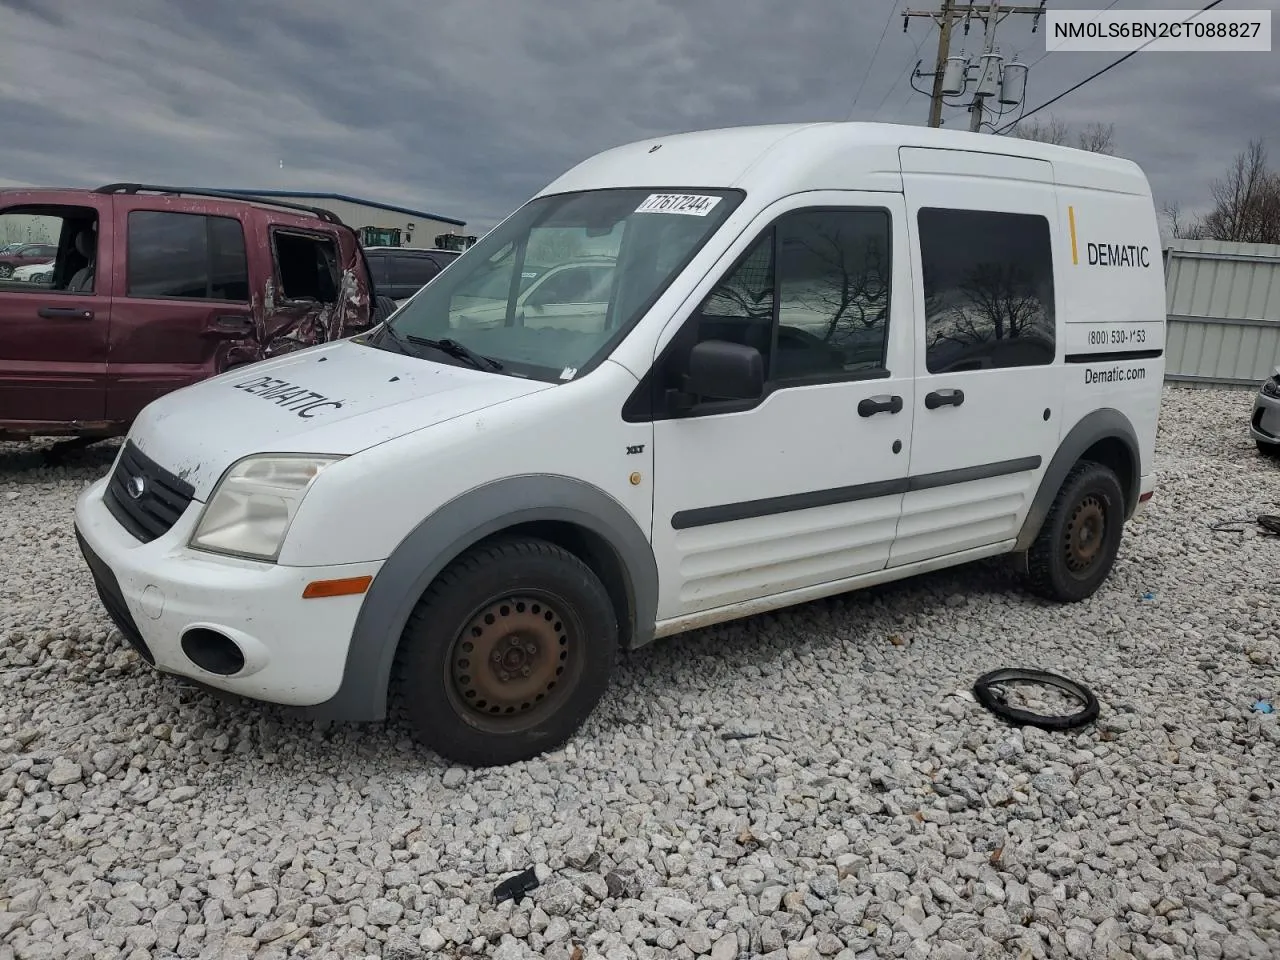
(1077, 546)
(506, 654)
(6, 271)
(1268, 449)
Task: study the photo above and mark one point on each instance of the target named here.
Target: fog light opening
(212, 651)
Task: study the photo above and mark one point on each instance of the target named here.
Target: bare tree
(849, 293)
(1053, 131)
(1001, 304)
(1095, 137)
(1098, 138)
(1179, 228)
(1246, 202)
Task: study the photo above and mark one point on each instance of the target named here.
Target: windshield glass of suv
(563, 279)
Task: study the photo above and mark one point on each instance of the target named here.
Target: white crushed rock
(869, 808)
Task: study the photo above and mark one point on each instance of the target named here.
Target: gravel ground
(813, 783)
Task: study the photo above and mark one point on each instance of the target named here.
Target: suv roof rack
(327, 215)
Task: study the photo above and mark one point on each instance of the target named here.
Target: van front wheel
(1077, 546)
(506, 654)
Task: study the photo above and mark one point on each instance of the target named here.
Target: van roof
(821, 156)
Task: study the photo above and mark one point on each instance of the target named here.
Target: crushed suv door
(316, 292)
(54, 328)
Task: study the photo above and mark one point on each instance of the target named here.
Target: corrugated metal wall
(1223, 309)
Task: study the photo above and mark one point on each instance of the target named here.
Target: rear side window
(187, 256)
(988, 289)
(413, 271)
(308, 267)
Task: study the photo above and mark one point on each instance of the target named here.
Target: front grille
(164, 496)
(112, 598)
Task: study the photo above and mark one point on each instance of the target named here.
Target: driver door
(802, 487)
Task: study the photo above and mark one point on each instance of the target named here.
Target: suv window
(187, 256)
(812, 295)
(33, 262)
(988, 289)
(412, 271)
(308, 267)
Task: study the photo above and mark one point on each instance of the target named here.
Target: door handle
(873, 405)
(233, 323)
(65, 313)
(942, 398)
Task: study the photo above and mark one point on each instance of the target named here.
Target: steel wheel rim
(1086, 535)
(514, 660)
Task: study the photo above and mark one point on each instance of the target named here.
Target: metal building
(380, 224)
(1223, 311)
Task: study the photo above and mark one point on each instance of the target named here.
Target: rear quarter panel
(1114, 307)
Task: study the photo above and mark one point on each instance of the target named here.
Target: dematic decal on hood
(1108, 254)
(290, 396)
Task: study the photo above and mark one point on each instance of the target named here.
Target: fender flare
(1105, 423)
(451, 529)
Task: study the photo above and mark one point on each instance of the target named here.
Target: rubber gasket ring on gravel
(987, 697)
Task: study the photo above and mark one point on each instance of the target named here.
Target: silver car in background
(1264, 423)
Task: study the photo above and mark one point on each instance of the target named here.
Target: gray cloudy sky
(467, 107)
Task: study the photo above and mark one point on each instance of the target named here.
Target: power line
(1094, 76)
(888, 93)
(876, 53)
(1047, 51)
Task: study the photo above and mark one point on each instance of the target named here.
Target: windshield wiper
(449, 347)
(454, 349)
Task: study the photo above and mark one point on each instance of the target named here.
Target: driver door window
(811, 294)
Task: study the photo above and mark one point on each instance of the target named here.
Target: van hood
(339, 398)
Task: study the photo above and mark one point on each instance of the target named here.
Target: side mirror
(725, 371)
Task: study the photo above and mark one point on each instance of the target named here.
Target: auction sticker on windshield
(689, 204)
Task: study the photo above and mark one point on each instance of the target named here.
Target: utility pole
(989, 32)
(946, 18)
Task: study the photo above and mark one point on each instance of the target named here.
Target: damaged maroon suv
(155, 288)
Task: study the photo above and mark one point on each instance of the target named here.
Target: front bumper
(1264, 423)
(294, 650)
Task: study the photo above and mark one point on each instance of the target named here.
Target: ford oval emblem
(137, 487)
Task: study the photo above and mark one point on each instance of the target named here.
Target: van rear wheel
(506, 654)
(1078, 543)
(1268, 449)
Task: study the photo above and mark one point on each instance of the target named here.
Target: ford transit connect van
(815, 357)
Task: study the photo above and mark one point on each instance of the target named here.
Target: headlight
(1271, 386)
(253, 504)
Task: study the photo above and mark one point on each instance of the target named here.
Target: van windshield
(556, 286)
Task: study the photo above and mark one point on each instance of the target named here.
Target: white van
(822, 356)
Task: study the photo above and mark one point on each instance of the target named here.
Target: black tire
(1271, 450)
(1077, 546)
(6, 271)
(985, 695)
(383, 307)
(506, 654)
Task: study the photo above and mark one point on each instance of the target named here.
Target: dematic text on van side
(1118, 255)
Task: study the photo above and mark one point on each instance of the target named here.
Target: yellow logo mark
(1071, 219)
